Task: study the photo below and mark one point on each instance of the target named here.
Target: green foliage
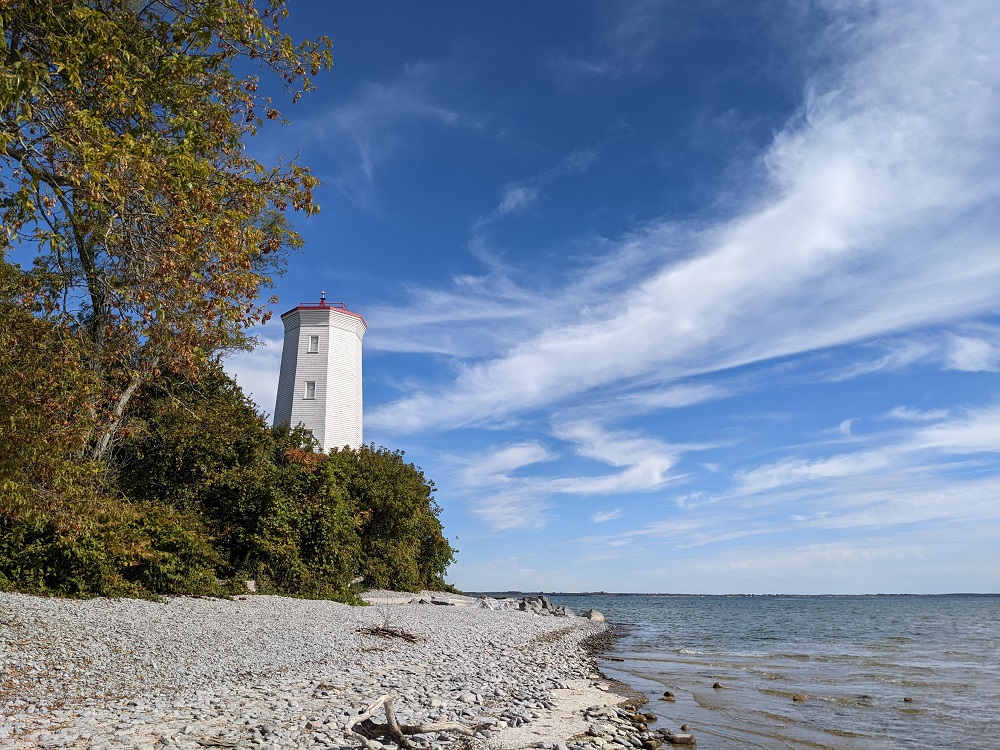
(112, 549)
(401, 539)
(129, 464)
(213, 493)
(44, 415)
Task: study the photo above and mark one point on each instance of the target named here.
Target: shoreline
(273, 672)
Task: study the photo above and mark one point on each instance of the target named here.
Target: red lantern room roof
(324, 305)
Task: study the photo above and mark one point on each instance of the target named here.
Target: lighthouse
(319, 384)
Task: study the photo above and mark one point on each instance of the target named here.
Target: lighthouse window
(313, 344)
(311, 389)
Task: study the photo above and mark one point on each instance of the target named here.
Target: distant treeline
(196, 495)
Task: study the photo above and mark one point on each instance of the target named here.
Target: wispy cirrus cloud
(361, 133)
(909, 414)
(505, 497)
(604, 516)
(644, 462)
(496, 467)
(630, 38)
(973, 432)
(478, 317)
(898, 497)
(972, 353)
(878, 217)
(970, 347)
(516, 197)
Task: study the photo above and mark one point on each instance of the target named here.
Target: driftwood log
(364, 726)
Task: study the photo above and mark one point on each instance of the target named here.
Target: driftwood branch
(367, 729)
(386, 631)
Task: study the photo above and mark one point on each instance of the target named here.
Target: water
(855, 658)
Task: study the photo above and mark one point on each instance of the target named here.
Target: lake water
(855, 658)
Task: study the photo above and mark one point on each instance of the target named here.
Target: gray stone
(684, 738)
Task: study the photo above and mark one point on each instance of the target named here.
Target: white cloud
(645, 461)
(496, 466)
(837, 524)
(362, 133)
(975, 432)
(604, 516)
(908, 414)
(973, 347)
(495, 491)
(631, 37)
(880, 218)
(516, 197)
(930, 446)
(791, 471)
(256, 372)
(899, 354)
(518, 509)
(974, 354)
(489, 315)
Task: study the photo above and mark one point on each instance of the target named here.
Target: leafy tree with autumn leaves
(125, 181)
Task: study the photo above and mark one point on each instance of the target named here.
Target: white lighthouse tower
(320, 381)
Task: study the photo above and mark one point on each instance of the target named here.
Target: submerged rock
(681, 738)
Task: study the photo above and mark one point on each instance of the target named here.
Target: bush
(402, 544)
(113, 549)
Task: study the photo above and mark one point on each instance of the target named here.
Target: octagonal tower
(320, 380)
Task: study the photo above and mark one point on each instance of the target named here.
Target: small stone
(685, 727)
(907, 699)
(717, 686)
(681, 739)
(798, 698)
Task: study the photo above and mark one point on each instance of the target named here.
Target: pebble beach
(273, 672)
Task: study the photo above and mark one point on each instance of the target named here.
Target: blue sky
(669, 296)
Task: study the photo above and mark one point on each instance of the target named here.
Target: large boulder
(594, 615)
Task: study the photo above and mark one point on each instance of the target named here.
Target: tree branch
(392, 730)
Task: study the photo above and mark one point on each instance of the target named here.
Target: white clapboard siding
(334, 413)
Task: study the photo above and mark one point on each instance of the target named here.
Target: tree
(44, 414)
(122, 169)
(275, 510)
(402, 544)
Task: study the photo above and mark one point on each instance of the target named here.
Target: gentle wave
(736, 654)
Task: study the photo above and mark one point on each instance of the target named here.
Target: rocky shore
(271, 672)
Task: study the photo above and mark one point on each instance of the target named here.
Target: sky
(668, 296)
